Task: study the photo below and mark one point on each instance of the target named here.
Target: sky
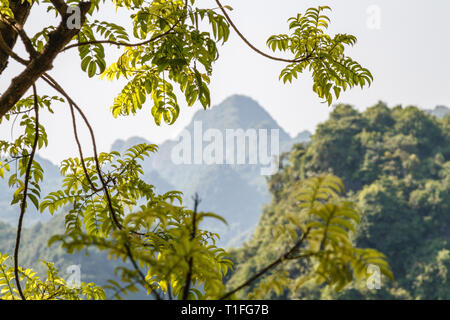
(404, 43)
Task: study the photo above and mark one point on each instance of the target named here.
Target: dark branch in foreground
(23, 205)
(58, 39)
(284, 257)
(21, 11)
(187, 286)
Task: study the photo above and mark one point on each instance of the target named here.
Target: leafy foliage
(321, 53)
(53, 288)
(324, 222)
(156, 66)
(161, 232)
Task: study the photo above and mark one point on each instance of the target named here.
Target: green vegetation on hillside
(396, 164)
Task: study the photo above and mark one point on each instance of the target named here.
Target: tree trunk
(21, 12)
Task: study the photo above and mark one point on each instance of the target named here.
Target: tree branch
(21, 10)
(17, 27)
(251, 45)
(285, 256)
(58, 39)
(60, 6)
(141, 275)
(80, 150)
(191, 260)
(25, 194)
(8, 51)
(125, 44)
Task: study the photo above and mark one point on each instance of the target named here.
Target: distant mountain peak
(237, 111)
(244, 105)
(302, 136)
(439, 111)
(239, 97)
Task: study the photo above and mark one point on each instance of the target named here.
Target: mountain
(235, 191)
(439, 111)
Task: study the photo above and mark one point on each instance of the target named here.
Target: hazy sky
(407, 50)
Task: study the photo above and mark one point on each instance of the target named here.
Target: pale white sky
(408, 56)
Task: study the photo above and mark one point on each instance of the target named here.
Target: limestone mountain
(235, 191)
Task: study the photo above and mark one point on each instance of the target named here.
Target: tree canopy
(395, 162)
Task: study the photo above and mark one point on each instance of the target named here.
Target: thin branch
(141, 275)
(52, 82)
(4, 47)
(58, 39)
(284, 257)
(25, 194)
(17, 27)
(80, 150)
(126, 44)
(21, 11)
(191, 260)
(72, 104)
(251, 45)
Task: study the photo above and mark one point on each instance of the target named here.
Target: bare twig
(80, 150)
(52, 82)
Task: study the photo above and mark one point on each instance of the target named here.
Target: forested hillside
(396, 165)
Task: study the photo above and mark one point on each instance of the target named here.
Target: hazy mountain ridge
(438, 111)
(237, 192)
